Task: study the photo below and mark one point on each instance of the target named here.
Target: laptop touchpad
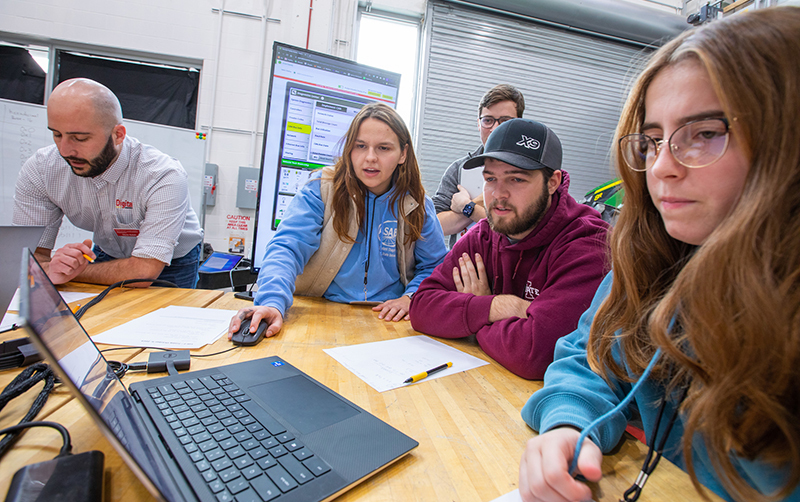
(303, 403)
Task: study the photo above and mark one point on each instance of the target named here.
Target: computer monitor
(312, 100)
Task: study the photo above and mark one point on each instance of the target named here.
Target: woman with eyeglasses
(697, 328)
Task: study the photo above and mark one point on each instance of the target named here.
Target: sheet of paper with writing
(386, 365)
(172, 327)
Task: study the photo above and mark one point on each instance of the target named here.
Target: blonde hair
(735, 299)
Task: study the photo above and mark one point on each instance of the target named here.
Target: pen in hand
(417, 378)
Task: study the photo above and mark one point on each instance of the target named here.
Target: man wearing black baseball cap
(522, 278)
(459, 197)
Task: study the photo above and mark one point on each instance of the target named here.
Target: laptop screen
(12, 240)
(68, 348)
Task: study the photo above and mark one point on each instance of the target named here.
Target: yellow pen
(88, 258)
(424, 374)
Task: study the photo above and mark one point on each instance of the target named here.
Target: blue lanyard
(622, 404)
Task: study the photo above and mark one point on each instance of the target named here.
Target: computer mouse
(244, 337)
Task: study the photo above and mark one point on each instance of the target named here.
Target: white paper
(68, 297)
(172, 327)
(74, 296)
(8, 321)
(386, 365)
(509, 497)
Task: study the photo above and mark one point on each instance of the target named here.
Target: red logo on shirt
(124, 204)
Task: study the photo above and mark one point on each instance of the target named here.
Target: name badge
(126, 232)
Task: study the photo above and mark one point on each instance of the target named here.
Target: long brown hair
(406, 179)
(735, 299)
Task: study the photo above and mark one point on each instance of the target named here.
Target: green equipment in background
(607, 199)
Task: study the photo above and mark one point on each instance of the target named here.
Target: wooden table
(119, 306)
(468, 425)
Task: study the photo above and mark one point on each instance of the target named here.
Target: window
(391, 43)
(149, 90)
(23, 72)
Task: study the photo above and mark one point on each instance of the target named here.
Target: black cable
(66, 448)
(167, 350)
(218, 353)
(132, 347)
(119, 368)
(654, 450)
(27, 378)
(96, 299)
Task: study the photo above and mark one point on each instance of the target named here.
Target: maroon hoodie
(557, 267)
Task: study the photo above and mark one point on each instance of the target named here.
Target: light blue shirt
(298, 238)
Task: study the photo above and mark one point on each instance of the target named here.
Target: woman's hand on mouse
(270, 315)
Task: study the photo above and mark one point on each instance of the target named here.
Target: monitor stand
(244, 295)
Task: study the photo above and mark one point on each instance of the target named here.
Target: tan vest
(323, 266)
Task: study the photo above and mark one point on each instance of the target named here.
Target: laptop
(254, 431)
(220, 262)
(12, 240)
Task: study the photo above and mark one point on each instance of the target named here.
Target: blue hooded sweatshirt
(575, 395)
(298, 238)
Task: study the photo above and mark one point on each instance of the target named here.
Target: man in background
(134, 198)
(522, 278)
(459, 206)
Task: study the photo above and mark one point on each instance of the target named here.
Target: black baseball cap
(523, 143)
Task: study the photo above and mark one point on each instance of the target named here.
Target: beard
(531, 216)
(97, 165)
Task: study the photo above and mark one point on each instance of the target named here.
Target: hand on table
(270, 315)
(544, 468)
(471, 278)
(69, 261)
(394, 310)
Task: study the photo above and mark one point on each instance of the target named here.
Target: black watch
(468, 209)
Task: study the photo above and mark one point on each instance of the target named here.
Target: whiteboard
(23, 130)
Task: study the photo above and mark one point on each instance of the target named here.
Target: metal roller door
(574, 82)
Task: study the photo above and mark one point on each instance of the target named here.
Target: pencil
(424, 374)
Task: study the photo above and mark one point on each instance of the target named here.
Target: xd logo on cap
(522, 143)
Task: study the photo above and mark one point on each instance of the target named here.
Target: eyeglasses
(487, 121)
(695, 144)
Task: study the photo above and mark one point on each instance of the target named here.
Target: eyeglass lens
(696, 144)
(487, 121)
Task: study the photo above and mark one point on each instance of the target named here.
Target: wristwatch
(467, 211)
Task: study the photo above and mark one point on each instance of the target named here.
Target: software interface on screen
(313, 99)
(315, 121)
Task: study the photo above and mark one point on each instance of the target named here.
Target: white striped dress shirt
(139, 207)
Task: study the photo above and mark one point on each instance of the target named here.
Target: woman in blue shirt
(362, 230)
(703, 305)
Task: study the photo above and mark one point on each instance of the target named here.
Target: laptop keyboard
(241, 458)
